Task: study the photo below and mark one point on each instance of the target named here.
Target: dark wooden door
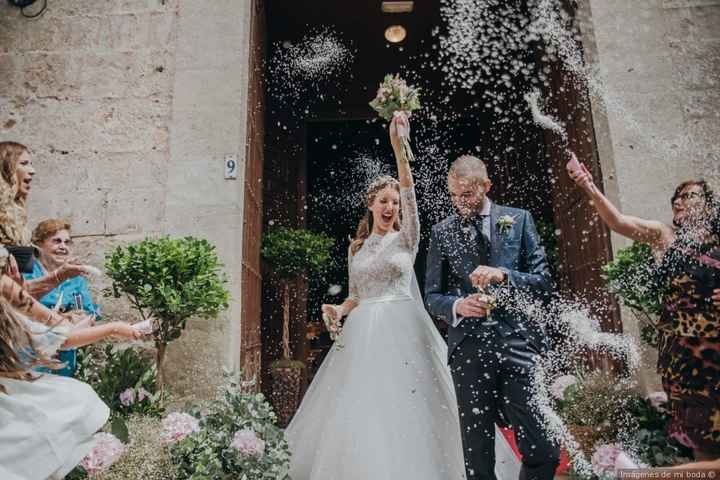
(250, 335)
(583, 240)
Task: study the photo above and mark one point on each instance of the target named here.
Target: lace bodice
(384, 264)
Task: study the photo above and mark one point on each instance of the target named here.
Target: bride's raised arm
(410, 227)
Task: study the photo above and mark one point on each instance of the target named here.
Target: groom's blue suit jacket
(452, 256)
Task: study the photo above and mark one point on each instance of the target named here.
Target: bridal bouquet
(395, 98)
(333, 327)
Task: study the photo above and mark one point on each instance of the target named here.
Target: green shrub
(209, 454)
(170, 280)
(632, 276)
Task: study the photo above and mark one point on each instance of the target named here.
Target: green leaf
(118, 427)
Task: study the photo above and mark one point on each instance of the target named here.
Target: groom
(489, 246)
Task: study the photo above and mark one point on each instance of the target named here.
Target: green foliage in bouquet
(291, 252)
(112, 371)
(600, 400)
(394, 95)
(215, 452)
(171, 280)
(631, 275)
(654, 446)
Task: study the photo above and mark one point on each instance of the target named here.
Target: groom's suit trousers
(492, 373)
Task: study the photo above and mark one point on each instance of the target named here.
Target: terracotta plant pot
(287, 382)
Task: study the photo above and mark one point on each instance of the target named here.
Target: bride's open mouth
(387, 217)
(26, 182)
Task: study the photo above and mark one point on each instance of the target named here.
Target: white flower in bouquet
(560, 384)
(247, 442)
(177, 426)
(395, 98)
(107, 450)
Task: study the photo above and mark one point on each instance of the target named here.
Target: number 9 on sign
(230, 167)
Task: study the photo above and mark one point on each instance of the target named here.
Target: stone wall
(658, 120)
(130, 108)
(659, 64)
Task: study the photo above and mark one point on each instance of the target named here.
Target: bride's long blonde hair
(366, 222)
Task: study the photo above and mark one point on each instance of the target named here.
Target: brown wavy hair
(13, 212)
(366, 222)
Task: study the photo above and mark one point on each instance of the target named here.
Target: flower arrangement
(395, 98)
(124, 378)
(595, 406)
(236, 438)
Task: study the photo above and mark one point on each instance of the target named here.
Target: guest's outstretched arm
(26, 304)
(635, 228)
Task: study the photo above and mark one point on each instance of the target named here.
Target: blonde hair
(48, 228)
(366, 222)
(14, 335)
(13, 212)
(468, 167)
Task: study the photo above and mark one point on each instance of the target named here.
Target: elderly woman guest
(688, 254)
(16, 177)
(52, 238)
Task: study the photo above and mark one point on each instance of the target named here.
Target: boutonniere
(504, 224)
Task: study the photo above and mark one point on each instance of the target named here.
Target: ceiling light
(395, 33)
(397, 7)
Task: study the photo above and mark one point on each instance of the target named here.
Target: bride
(382, 404)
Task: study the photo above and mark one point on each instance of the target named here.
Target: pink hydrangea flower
(177, 426)
(624, 462)
(683, 438)
(657, 399)
(560, 384)
(609, 458)
(248, 443)
(143, 394)
(107, 450)
(127, 397)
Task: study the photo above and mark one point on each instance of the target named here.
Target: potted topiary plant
(290, 253)
(169, 280)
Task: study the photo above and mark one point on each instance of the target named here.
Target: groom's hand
(483, 276)
(472, 306)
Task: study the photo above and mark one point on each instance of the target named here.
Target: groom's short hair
(468, 167)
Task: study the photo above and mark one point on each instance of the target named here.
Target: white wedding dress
(382, 405)
(47, 425)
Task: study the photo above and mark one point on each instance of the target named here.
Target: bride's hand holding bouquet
(395, 101)
(332, 314)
